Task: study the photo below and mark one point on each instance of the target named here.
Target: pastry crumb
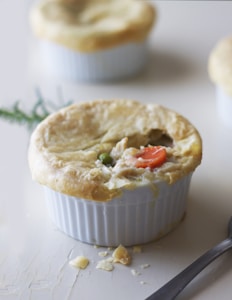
(80, 262)
(105, 264)
(103, 253)
(143, 282)
(144, 266)
(135, 272)
(137, 249)
(121, 255)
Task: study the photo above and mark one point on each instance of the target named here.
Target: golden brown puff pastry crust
(64, 148)
(220, 65)
(91, 25)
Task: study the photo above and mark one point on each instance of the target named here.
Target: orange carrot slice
(151, 157)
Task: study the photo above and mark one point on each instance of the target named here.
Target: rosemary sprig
(17, 115)
(38, 113)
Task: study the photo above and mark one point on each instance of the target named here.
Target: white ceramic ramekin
(105, 65)
(139, 216)
(224, 105)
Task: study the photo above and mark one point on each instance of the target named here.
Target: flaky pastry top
(220, 65)
(91, 25)
(64, 148)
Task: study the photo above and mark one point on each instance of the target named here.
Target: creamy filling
(123, 172)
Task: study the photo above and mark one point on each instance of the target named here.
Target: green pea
(106, 159)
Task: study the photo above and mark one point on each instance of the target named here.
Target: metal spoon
(172, 288)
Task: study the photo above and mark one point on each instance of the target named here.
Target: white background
(33, 254)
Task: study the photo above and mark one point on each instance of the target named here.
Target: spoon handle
(172, 288)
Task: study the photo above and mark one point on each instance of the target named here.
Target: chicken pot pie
(220, 72)
(107, 37)
(110, 164)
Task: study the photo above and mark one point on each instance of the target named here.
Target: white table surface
(34, 255)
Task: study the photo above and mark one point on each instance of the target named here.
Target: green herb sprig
(39, 112)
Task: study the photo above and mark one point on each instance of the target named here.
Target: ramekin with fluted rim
(115, 171)
(220, 72)
(138, 217)
(105, 65)
(93, 40)
(224, 106)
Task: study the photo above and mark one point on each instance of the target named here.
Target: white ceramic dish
(139, 216)
(105, 65)
(224, 104)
